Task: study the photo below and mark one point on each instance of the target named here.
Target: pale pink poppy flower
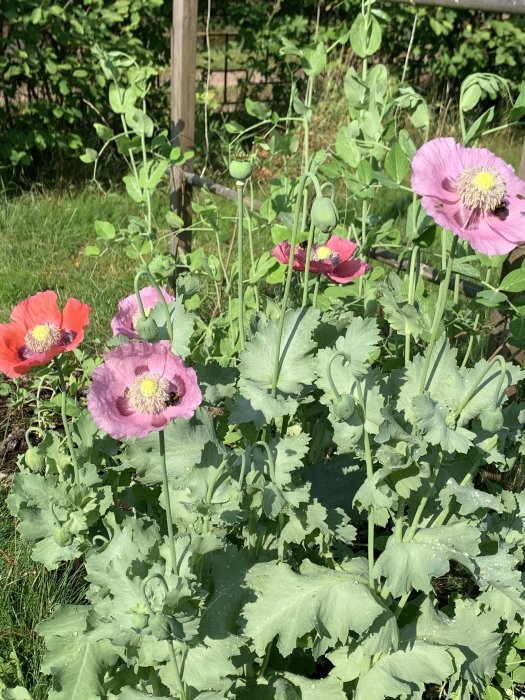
(333, 259)
(472, 193)
(140, 388)
(125, 321)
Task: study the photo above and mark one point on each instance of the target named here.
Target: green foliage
(51, 84)
(321, 526)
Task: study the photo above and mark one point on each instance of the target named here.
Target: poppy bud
(139, 620)
(147, 329)
(491, 419)
(159, 627)
(62, 536)
(344, 407)
(324, 214)
(34, 460)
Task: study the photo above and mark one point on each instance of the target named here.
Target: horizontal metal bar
(501, 6)
(386, 257)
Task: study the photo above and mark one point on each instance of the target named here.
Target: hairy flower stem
(398, 533)
(250, 243)
(412, 283)
(307, 264)
(167, 502)
(474, 329)
(240, 262)
(144, 272)
(271, 461)
(297, 213)
(476, 385)
(424, 500)
(65, 422)
(178, 678)
(369, 476)
(440, 308)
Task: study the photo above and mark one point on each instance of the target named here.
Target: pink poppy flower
(140, 388)
(472, 193)
(125, 321)
(39, 331)
(333, 259)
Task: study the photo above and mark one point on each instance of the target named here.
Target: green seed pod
(62, 536)
(324, 214)
(139, 620)
(491, 419)
(159, 627)
(147, 329)
(34, 460)
(344, 407)
(241, 169)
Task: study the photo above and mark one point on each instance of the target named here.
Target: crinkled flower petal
(445, 174)
(124, 321)
(115, 400)
(348, 271)
(40, 308)
(344, 248)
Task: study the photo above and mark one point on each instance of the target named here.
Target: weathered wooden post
(182, 131)
(503, 6)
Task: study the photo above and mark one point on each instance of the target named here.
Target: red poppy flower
(39, 331)
(333, 259)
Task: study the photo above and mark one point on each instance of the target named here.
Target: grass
(43, 236)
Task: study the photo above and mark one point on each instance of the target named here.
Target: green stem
(333, 387)
(307, 264)
(474, 328)
(240, 277)
(412, 283)
(440, 308)
(146, 189)
(178, 679)
(369, 476)
(475, 385)
(250, 243)
(442, 517)
(399, 520)
(424, 500)
(271, 461)
(284, 304)
(167, 501)
(65, 422)
(316, 292)
(243, 470)
(266, 659)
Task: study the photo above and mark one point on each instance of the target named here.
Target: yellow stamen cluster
(149, 393)
(323, 252)
(42, 337)
(482, 188)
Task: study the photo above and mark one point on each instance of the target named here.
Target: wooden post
(183, 77)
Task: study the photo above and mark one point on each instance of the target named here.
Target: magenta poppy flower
(472, 193)
(333, 259)
(140, 388)
(125, 321)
